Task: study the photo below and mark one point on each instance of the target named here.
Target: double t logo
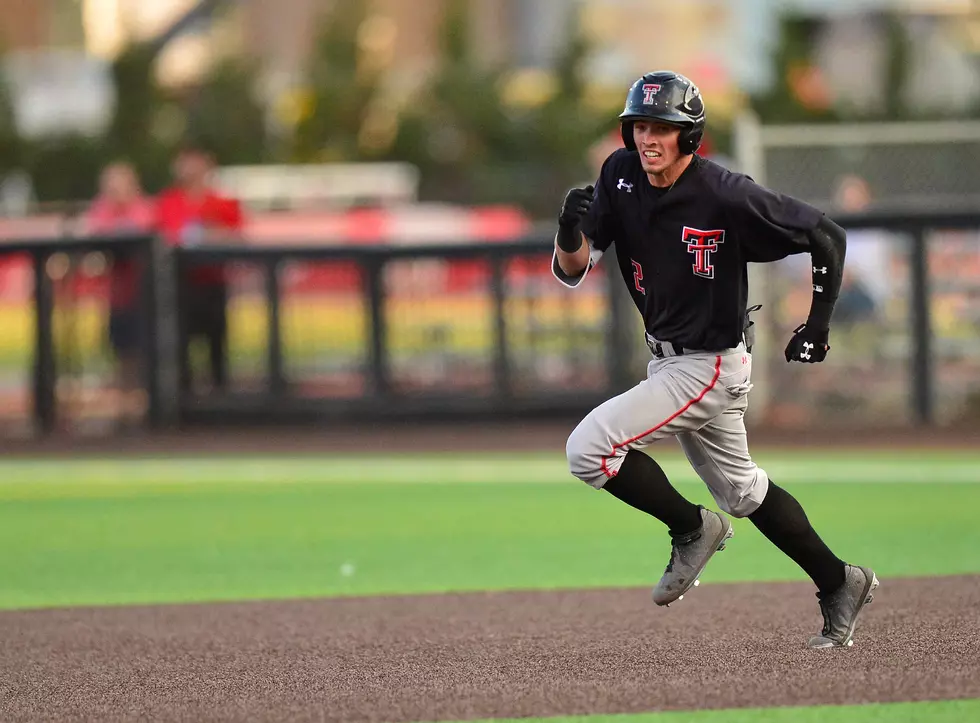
(649, 91)
(702, 244)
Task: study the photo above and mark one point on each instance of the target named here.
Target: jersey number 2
(638, 277)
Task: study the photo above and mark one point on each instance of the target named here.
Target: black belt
(663, 349)
(657, 349)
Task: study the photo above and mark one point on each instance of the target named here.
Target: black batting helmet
(667, 97)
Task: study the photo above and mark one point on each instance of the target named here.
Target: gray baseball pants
(698, 397)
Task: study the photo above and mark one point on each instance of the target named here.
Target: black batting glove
(577, 203)
(808, 346)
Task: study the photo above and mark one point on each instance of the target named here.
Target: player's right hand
(577, 203)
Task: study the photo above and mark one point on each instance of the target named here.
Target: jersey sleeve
(770, 225)
(600, 225)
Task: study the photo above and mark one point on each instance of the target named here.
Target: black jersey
(683, 251)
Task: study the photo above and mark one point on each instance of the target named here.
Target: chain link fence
(893, 165)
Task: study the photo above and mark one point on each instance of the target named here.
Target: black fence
(313, 334)
(439, 332)
(41, 360)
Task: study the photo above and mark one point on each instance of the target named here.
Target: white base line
(64, 474)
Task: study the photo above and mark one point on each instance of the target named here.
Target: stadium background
(444, 566)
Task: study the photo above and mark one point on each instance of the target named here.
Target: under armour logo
(822, 270)
(807, 348)
(818, 288)
(623, 185)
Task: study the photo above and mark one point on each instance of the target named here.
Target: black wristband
(569, 238)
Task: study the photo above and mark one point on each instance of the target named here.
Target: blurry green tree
(10, 143)
(143, 123)
(897, 69)
(340, 88)
(138, 99)
(495, 135)
(47, 159)
(798, 94)
(221, 109)
(147, 124)
(478, 133)
(130, 135)
(225, 111)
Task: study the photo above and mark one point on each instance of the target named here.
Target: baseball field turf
(410, 588)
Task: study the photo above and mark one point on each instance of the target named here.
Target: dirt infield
(484, 655)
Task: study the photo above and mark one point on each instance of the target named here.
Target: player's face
(657, 144)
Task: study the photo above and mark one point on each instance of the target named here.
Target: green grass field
(117, 531)
(949, 711)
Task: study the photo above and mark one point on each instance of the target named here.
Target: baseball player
(684, 229)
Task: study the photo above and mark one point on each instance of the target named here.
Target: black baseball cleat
(690, 554)
(841, 608)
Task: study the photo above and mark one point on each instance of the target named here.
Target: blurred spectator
(121, 208)
(190, 213)
(852, 193)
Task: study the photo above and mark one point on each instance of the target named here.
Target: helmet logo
(692, 99)
(649, 90)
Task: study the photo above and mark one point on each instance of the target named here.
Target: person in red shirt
(190, 213)
(122, 209)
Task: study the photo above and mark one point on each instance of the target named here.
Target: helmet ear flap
(626, 128)
(690, 140)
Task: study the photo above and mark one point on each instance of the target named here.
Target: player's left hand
(808, 346)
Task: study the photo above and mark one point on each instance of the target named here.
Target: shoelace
(673, 556)
(825, 611)
(675, 547)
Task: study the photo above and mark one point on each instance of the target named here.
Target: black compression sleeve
(828, 245)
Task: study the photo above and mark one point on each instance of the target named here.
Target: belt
(662, 349)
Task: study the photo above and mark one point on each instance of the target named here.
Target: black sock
(782, 520)
(642, 484)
